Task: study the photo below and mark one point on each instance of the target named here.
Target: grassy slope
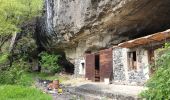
(31, 77)
(14, 92)
(28, 79)
(24, 90)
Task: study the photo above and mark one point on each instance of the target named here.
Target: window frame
(132, 60)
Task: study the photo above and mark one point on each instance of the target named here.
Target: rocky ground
(65, 95)
(80, 89)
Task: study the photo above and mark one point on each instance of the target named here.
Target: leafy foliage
(26, 48)
(158, 85)
(50, 62)
(14, 12)
(13, 74)
(3, 58)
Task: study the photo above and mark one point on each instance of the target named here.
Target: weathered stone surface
(89, 25)
(142, 74)
(118, 66)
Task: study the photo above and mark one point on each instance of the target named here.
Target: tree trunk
(14, 36)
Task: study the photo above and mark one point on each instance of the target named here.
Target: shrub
(3, 58)
(159, 83)
(13, 74)
(49, 62)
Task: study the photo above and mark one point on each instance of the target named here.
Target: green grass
(28, 79)
(14, 92)
(33, 76)
(24, 90)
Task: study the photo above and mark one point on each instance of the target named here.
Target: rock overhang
(124, 17)
(85, 24)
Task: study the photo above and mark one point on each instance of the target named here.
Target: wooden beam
(157, 37)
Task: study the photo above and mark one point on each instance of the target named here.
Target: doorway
(97, 68)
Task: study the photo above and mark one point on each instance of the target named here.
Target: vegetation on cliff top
(14, 12)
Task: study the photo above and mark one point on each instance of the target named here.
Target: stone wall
(122, 74)
(77, 66)
(118, 66)
(140, 75)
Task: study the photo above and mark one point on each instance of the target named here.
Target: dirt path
(80, 89)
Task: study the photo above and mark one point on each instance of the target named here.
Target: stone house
(126, 63)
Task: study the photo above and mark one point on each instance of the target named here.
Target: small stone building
(127, 63)
(130, 65)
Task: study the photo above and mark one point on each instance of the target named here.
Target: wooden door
(106, 64)
(90, 67)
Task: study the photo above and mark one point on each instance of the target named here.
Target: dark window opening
(134, 56)
(82, 65)
(132, 60)
(82, 69)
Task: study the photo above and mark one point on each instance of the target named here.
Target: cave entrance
(67, 64)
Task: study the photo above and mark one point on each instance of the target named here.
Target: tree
(13, 13)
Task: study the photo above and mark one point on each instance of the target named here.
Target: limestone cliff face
(77, 26)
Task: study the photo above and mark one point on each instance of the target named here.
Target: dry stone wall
(122, 74)
(118, 65)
